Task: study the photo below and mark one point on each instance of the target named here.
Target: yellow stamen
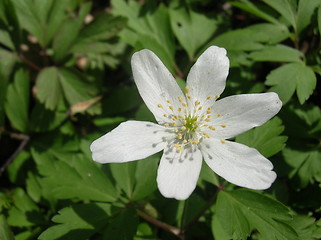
(223, 141)
(186, 90)
(160, 105)
(195, 142)
(218, 115)
(208, 98)
(170, 107)
(223, 126)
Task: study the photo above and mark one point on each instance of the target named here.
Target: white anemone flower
(192, 126)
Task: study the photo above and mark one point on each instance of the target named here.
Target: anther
(200, 108)
(186, 90)
(179, 136)
(168, 101)
(197, 102)
(208, 98)
(160, 105)
(195, 142)
(165, 115)
(217, 96)
(212, 128)
(223, 126)
(223, 141)
(170, 107)
(218, 115)
(179, 109)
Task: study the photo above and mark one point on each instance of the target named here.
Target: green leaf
(305, 226)
(284, 8)
(256, 10)
(277, 53)
(317, 232)
(103, 27)
(52, 82)
(28, 17)
(48, 87)
(8, 16)
(306, 9)
(25, 212)
(266, 138)
(75, 87)
(67, 172)
(56, 17)
(186, 23)
(123, 226)
(148, 27)
(305, 164)
(5, 232)
(43, 120)
(144, 232)
(242, 211)
(17, 169)
(251, 38)
(290, 77)
(145, 177)
(17, 101)
(68, 33)
(238, 226)
(218, 230)
(8, 60)
(140, 180)
(73, 176)
(78, 222)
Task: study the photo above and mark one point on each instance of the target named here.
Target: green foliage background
(65, 79)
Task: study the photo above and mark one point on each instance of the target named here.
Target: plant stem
(29, 63)
(174, 230)
(25, 140)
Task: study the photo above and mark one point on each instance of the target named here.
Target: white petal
(240, 113)
(156, 84)
(238, 164)
(208, 76)
(178, 172)
(131, 140)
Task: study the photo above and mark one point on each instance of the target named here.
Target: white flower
(192, 126)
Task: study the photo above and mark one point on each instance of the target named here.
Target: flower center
(189, 121)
